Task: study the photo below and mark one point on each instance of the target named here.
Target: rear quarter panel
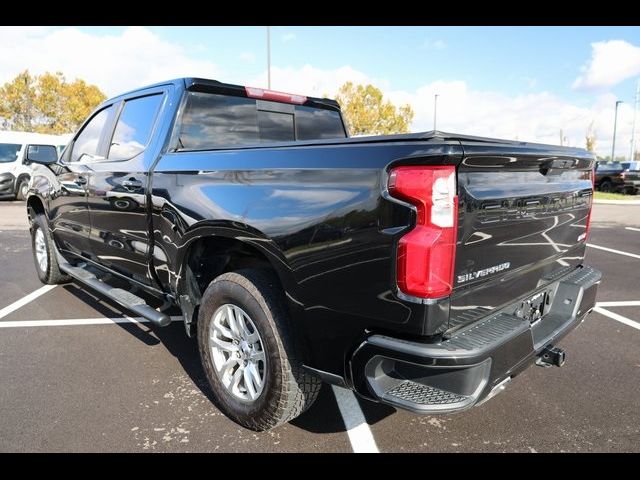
(316, 212)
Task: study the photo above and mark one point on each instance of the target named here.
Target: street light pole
(635, 115)
(615, 125)
(269, 58)
(435, 110)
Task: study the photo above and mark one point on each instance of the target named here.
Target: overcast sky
(522, 83)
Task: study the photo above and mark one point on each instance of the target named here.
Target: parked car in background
(14, 172)
(618, 177)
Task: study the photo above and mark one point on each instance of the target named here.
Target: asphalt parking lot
(77, 375)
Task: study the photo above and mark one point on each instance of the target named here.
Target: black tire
(288, 389)
(51, 275)
(21, 189)
(606, 186)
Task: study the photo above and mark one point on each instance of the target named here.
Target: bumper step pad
(418, 393)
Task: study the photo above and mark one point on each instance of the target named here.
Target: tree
(591, 137)
(46, 103)
(367, 113)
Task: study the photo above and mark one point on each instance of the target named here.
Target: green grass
(615, 196)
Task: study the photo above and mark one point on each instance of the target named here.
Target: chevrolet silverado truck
(423, 271)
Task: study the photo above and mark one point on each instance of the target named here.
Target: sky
(524, 83)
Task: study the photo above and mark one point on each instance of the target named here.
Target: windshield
(610, 166)
(8, 152)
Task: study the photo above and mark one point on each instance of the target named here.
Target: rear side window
(213, 121)
(134, 126)
(315, 124)
(9, 152)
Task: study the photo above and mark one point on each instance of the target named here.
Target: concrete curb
(617, 202)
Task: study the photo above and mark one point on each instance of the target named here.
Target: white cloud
(287, 37)
(247, 57)
(534, 117)
(434, 44)
(611, 62)
(115, 63)
(312, 81)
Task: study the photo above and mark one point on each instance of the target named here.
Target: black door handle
(80, 181)
(132, 183)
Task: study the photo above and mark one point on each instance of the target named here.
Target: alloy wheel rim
(41, 251)
(237, 352)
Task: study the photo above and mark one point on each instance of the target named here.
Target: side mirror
(43, 154)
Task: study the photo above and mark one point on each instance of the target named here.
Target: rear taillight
(426, 254)
(263, 94)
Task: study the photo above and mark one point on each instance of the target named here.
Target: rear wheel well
(210, 257)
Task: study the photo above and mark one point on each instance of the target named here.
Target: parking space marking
(619, 252)
(24, 300)
(360, 435)
(77, 321)
(617, 317)
(628, 303)
(633, 229)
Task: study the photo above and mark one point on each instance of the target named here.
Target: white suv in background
(14, 174)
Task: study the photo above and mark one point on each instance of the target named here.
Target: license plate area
(535, 307)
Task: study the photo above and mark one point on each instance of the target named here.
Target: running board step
(417, 393)
(126, 299)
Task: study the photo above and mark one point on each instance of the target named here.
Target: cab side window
(85, 147)
(134, 127)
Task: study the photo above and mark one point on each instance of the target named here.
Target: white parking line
(360, 435)
(619, 252)
(24, 300)
(627, 303)
(76, 321)
(617, 317)
(633, 229)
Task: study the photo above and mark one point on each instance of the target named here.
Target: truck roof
(208, 85)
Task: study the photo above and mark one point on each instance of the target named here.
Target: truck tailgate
(522, 223)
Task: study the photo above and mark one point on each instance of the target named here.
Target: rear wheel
(248, 352)
(22, 189)
(44, 253)
(606, 186)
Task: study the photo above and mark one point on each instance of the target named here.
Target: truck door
(116, 189)
(69, 217)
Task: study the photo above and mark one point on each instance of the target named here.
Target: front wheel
(249, 354)
(44, 253)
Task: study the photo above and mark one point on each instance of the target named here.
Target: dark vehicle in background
(618, 177)
(424, 271)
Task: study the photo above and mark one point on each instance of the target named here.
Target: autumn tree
(591, 138)
(367, 112)
(46, 103)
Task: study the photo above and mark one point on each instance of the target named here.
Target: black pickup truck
(422, 271)
(617, 177)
